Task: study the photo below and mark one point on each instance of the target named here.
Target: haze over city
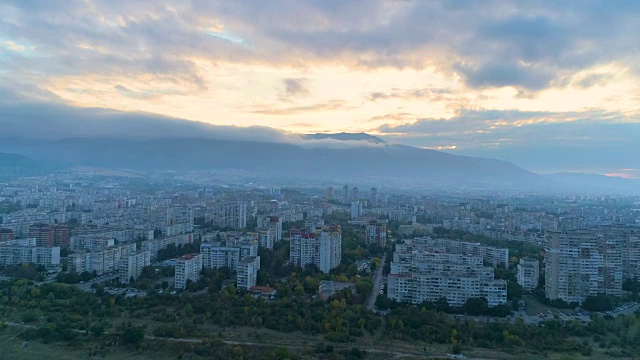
(552, 87)
(321, 180)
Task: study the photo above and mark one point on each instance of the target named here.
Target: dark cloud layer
(489, 43)
(541, 141)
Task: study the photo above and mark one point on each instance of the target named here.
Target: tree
(598, 303)
(363, 287)
(514, 291)
(476, 306)
(632, 285)
(132, 335)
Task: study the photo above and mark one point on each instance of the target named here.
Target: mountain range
(70, 136)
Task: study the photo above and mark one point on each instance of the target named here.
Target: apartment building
(6, 234)
(270, 230)
(528, 273)
(273, 223)
(356, 209)
(583, 263)
(50, 235)
(419, 275)
(266, 239)
(105, 261)
(91, 243)
(188, 268)
(376, 232)
(228, 214)
(322, 247)
(247, 272)
(492, 255)
(215, 256)
(16, 254)
(131, 265)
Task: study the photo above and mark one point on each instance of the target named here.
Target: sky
(549, 85)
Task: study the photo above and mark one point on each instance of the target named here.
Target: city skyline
(539, 84)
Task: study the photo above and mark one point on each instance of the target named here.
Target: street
(371, 301)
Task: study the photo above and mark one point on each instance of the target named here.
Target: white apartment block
(494, 256)
(20, 242)
(376, 232)
(131, 266)
(356, 209)
(105, 261)
(266, 239)
(228, 214)
(419, 275)
(215, 256)
(48, 257)
(528, 273)
(188, 267)
(273, 223)
(91, 242)
(247, 272)
(323, 247)
(269, 231)
(585, 263)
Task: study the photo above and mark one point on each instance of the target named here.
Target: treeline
(473, 306)
(28, 271)
(172, 251)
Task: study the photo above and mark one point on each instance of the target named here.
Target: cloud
(490, 44)
(21, 118)
(589, 141)
(431, 94)
(295, 87)
(474, 129)
(322, 106)
(592, 80)
(394, 117)
(506, 74)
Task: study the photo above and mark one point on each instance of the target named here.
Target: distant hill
(105, 138)
(15, 160)
(409, 164)
(596, 182)
(16, 165)
(343, 136)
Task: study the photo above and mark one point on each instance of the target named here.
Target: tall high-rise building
(247, 272)
(373, 197)
(188, 268)
(322, 247)
(270, 230)
(355, 194)
(345, 194)
(583, 263)
(376, 232)
(356, 209)
(228, 214)
(528, 273)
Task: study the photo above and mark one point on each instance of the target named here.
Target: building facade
(188, 268)
(420, 274)
(322, 247)
(583, 263)
(131, 266)
(247, 272)
(528, 273)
